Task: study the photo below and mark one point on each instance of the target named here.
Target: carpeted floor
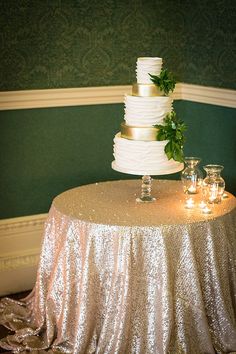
(4, 331)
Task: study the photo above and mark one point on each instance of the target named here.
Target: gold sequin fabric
(120, 277)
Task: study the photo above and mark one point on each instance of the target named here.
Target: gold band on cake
(138, 133)
(146, 90)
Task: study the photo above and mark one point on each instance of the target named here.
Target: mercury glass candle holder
(192, 176)
(213, 184)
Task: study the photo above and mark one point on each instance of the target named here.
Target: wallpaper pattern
(76, 43)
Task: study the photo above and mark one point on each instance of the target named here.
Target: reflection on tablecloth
(120, 288)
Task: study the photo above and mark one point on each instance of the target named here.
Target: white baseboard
(20, 240)
(27, 99)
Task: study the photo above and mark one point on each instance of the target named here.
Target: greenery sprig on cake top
(165, 81)
(172, 130)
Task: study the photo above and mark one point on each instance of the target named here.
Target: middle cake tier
(146, 111)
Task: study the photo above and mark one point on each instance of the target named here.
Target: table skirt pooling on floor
(167, 288)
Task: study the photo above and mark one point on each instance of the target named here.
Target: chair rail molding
(28, 99)
(20, 240)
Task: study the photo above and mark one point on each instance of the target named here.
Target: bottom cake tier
(142, 157)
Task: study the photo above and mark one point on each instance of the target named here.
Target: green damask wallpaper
(77, 43)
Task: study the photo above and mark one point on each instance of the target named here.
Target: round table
(117, 276)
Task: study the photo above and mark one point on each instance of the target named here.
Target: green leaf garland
(165, 81)
(173, 131)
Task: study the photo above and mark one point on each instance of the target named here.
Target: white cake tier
(142, 157)
(146, 111)
(146, 66)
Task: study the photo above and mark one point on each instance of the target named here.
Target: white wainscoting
(20, 240)
(107, 95)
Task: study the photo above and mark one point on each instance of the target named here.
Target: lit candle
(192, 189)
(213, 192)
(202, 205)
(206, 210)
(189, 204)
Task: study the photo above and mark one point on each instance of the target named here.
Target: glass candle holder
(192, 176)
(213, 184)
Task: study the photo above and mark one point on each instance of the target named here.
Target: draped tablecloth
(116, 276)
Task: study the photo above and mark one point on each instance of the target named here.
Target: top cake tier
(146, 66)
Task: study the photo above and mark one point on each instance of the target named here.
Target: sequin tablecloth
(116, 276)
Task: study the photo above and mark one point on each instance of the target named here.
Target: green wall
(211, 135)
(76, 43)
(46, 151)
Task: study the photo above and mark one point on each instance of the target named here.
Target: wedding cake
(137, 149)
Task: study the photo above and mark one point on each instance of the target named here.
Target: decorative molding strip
(28, 259)
(20, 240)
(11, 100)
(62, 97)
(205, 94)
(22, 221)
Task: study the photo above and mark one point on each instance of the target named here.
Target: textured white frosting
(146, 66)
(146, 111)
(143, 157)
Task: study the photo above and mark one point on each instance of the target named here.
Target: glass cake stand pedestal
(146, 186)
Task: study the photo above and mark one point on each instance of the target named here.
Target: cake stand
(146, 186)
